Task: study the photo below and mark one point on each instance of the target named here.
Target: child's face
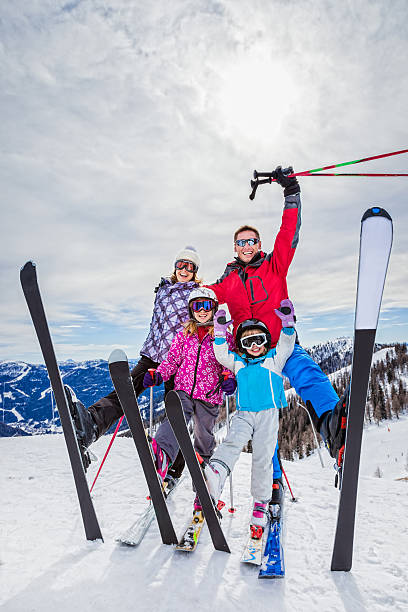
(203, 316)
(255, 350)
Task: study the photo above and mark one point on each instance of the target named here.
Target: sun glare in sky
(255, 96)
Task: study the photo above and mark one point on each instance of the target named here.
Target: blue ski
(273, 564)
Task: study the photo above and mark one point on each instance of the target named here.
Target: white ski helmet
(202, 293)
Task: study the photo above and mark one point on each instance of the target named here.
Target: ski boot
(332, 424)
(85, 427)
(215, 474)
(176, 468)
(197, 505)
(161, 459)
(278, 492)
(259, 519)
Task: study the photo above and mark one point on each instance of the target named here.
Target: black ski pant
(107, 410)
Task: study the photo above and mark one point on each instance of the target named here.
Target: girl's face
(203, 316)
(254, 350)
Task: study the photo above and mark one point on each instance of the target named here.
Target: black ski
(28, 277)
(122, 381)
(375, 248)
(175, 414)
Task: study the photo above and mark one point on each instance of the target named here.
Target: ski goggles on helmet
(243, 241)
(259, 339)
(183, 263)
(206, 305)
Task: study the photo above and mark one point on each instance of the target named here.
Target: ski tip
(117, 355)
(375, 211)
(29, 265)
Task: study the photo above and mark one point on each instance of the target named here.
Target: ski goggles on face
(258, 339)
(243, 241)
(206, 305)
(188, 265)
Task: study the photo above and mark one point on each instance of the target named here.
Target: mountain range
(26, 401)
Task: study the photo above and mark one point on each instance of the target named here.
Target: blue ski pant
(311, 384)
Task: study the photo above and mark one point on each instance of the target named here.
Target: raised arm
(221, 349)
(288, 236)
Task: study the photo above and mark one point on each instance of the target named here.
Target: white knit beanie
(189, 253)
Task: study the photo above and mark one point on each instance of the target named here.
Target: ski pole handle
(271, 175)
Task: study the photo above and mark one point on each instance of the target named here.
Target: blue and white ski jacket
(260, 384)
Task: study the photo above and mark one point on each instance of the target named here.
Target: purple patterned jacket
(195, 366)
(170, 311)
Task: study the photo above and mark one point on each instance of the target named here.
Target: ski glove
(286, 313)
(228, 386)
(151, 381)
(221, 324)
(290, 185)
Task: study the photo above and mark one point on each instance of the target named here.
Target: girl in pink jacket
(198, 380)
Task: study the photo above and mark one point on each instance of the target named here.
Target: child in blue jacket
(260, 394)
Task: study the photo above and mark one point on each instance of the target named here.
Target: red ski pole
(270, 177)
(286, 478)
(108, 449)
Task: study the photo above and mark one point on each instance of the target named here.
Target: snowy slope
(47, 565)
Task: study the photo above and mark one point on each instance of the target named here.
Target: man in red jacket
(254, 284)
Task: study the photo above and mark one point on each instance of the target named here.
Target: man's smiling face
(247, 252)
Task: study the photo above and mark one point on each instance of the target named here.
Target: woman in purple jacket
(198, 379)
(170, 311)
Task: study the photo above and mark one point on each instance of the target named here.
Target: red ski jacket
(255, 289)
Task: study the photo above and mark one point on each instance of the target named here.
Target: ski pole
(152, 373)
(286, 478)
(231, 508)
(314, 433)
(107, 450)
(270, 177)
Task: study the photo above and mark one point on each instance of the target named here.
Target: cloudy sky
(129, 130)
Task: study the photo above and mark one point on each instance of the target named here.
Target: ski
(189, 539)
(29, 283)
(273, 565)
(136, 532)
(122, 381)
(175, 414)
(375, 248)
(253, 549)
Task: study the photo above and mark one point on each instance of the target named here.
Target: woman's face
(203, 316)
(184, 270)
(183, 276)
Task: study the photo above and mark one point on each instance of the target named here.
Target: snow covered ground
(47, 565)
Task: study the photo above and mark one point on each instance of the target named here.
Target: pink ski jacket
(197, 372)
